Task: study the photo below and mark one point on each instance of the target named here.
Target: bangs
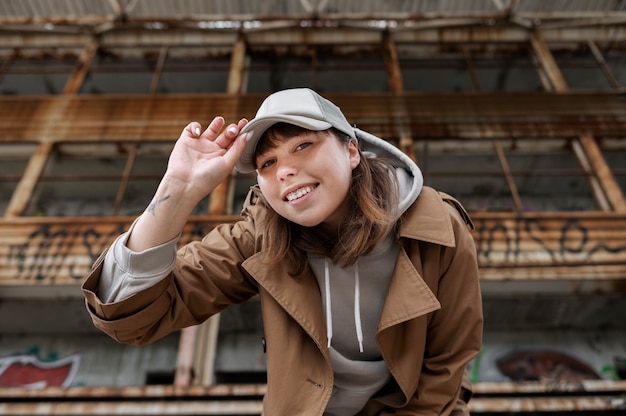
(275, 135)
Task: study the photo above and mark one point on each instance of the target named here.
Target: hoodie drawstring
(329, 320)
(357, 307)
(357, 304)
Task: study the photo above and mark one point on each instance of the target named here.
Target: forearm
(165, 216)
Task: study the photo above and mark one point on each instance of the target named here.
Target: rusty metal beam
(481, 116)
(83, 64)
(547, 62)
(521, 398)
(579, 246)
(198, 344)
(593, 47)
(156, 76)
(291, 33)
(130, 162)
(184, 359)
(606, 190)
(396, 85)
(28, 182)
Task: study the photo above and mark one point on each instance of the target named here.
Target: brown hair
(372, 212)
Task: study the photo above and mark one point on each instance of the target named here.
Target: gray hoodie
(352, 297)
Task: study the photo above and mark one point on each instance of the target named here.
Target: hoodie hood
(410, 179)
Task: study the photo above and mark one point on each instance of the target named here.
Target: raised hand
(198, 163)
(201, 160)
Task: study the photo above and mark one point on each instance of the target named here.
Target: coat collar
(427, 220)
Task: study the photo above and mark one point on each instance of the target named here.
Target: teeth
(299, 193)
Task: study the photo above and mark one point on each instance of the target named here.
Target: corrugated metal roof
(37, 11)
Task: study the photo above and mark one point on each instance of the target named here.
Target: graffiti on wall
(51, 252)
(558, 367)
(529, 240)
(68, 250)
(544, 365)
(27, 370)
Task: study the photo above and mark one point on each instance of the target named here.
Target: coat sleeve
(454, 335)
(206, 278)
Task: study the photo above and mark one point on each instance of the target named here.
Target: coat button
(263, 343)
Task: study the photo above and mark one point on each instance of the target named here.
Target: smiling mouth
(299, 193)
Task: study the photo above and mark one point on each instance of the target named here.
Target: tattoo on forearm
(152, 207)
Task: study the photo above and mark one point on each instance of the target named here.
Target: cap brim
(258, 127)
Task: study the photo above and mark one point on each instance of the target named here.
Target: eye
(266, 164)
(303, 145)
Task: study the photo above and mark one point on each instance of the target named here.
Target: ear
(355, 156)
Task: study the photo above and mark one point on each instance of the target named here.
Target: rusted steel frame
(606, 190)
(273, 33)
(156, 406)
(218, 201)
(198, 344)
(217, 391)
(595, 184)
(467, 54)
(121, 190)
(390, 56)
(255, 407)
(549, 240)
(508, 176)
(236, 391)
(6, 65)
(602, 62)
(28, 182)
(517, 172)
(156, 76)
(507, 388)
(496, 143)
(77, 77)
(531, 405)
(246, 399)
(184, 359)
(119, 117)
(602, 171)
(396, 85)
(547, 62)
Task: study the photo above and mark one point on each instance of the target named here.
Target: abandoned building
(515, 107)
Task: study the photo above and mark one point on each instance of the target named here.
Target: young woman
(368, 281)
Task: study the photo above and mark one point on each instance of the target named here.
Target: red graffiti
(29, 371)
(544, 365)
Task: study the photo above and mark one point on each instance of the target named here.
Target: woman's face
(306, 178)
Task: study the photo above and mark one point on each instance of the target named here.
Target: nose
(285, 170)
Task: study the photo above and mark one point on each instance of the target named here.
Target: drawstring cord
(329, 320)
(357, 304)
(357, 307)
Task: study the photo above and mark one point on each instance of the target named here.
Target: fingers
(193, 129)
(215, 127)
(230, 134)
(225, 139)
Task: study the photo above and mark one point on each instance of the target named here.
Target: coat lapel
(408, 297)
(298, 295)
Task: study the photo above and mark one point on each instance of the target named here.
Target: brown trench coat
(430, 328)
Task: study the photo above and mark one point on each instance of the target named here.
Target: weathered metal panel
(246, 400)
(569, 246)
(460, 115)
